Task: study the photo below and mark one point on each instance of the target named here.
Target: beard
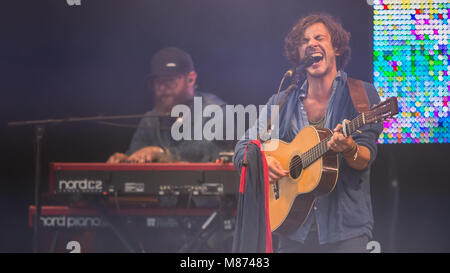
(318, 74)
(166, 101)
(164, 104)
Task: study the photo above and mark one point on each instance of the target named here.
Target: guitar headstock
(382, 111)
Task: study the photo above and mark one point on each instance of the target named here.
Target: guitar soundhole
(295, 167)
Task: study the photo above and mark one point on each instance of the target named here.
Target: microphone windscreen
(309, 60)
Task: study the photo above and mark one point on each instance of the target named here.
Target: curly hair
(340, 38)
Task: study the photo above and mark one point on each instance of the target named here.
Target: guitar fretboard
(321, 148)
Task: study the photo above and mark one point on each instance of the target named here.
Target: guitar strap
(358, 94)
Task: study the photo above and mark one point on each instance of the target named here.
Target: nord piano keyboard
(157, 179)
(152, 207)
(66, 217)
(133, 230)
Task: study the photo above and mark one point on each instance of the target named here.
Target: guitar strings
(321, 148)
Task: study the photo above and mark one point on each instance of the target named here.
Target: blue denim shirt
(156, 131)
(346, 212)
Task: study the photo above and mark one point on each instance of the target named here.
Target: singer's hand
(356, 156)
(338, 142)
(276, 172)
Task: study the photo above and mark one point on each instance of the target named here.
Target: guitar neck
(321, 148)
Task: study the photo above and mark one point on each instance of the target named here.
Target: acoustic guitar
(313, 168)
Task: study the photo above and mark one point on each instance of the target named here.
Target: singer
(173, 79)
(342, 220)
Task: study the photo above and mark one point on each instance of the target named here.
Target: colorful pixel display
(411, 62)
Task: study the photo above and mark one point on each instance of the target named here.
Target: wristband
(352, 152)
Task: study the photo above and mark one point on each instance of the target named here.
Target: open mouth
(317, 57)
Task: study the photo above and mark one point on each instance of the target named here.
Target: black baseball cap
(171, 61)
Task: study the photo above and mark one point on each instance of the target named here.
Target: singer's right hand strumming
(276, 172)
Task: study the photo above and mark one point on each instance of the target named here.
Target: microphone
(304, 63)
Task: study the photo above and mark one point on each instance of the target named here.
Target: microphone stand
(297, 75)
(39, 135)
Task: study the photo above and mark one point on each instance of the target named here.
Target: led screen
(410, 61)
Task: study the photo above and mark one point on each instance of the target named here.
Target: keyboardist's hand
(146, 154)
(117, 158)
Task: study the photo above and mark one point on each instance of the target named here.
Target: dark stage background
(71, 61)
